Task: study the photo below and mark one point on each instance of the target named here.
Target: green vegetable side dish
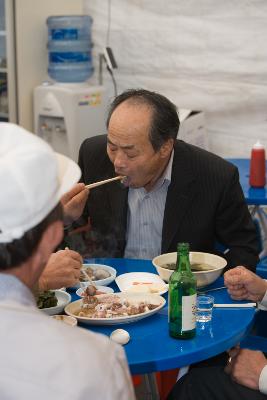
(46, 299)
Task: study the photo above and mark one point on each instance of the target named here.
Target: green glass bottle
(182, 297)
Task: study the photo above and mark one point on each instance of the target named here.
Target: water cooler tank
(66, 114)
(69, 48)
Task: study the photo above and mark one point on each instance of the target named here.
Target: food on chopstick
(91, 290)
(46, 299)
(112, 306)
(95, 274)
(194, 266)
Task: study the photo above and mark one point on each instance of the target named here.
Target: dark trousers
(210, 382)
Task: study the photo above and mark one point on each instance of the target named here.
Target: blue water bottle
(70, 48)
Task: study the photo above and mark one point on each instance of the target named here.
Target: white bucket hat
(33, 178)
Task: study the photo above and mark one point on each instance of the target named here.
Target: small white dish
(63, 298)
(141, 282)
(67, 319)
(103, 289)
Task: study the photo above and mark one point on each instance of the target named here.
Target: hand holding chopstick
(84, 274)
(93, 185)
(73, 203)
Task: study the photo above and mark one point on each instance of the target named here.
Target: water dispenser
(66, 114)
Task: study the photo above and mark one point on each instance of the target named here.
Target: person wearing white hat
(41, 357)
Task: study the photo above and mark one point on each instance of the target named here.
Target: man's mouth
(126, 181)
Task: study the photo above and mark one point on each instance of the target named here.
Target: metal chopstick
(211, 290)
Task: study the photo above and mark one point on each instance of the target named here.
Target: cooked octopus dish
(112, 306)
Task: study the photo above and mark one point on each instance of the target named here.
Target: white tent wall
(205, 55)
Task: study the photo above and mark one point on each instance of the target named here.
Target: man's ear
(51, 238)
(166, 148)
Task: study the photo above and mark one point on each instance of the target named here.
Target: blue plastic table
(152, 349)
(255, 198)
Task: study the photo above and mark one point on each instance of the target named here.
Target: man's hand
(243, 284)
(73, 202)
(245, 367)
(62, 270)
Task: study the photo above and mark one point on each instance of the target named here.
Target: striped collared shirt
(145, 218)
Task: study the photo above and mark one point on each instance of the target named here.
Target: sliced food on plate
(141, 282)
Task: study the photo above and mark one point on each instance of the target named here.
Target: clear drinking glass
(204, 308)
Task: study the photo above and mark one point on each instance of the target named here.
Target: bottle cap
(183, 246)
(258, 145)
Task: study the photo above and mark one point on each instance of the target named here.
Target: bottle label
(69, 57)
(189, 312)
(64, 34)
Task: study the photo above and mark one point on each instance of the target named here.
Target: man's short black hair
(165, 121)
(20, 250)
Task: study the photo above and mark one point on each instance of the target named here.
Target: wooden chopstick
(84, 272)
(93, 185)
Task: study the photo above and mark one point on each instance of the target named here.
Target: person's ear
(166, 148)
(51, 238)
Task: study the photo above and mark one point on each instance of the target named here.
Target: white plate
(104, 289)
(74, 307)
(100, 282)
(63, 298)
(147, 283)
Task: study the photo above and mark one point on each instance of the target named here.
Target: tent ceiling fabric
(207, 55)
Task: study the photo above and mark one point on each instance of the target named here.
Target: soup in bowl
(206, 267)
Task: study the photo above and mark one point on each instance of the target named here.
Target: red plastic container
(257, 176)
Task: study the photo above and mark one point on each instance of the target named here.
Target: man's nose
(119, 160)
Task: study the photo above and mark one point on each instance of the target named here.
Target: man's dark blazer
(205, 205)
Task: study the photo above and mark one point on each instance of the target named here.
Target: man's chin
(128, 182)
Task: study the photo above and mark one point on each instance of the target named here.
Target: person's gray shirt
(13, 289)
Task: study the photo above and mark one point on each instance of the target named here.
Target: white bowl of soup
(206, 267)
